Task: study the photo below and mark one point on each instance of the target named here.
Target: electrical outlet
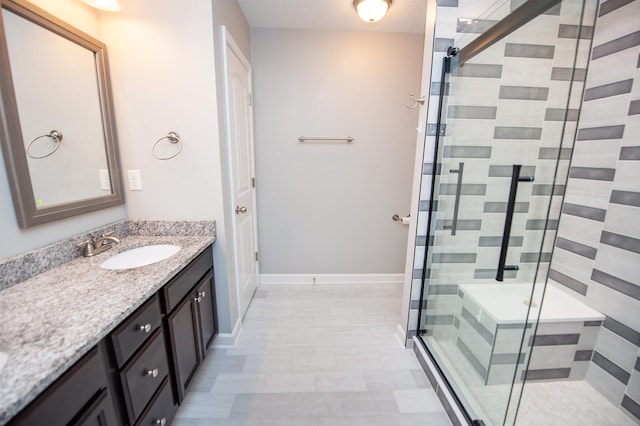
(105, 181)
(135, 180)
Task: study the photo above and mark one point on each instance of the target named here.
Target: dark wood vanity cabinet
(191, 323)
(140, 373)
(80, 397)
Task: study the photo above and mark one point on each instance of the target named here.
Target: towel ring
(55, 135)
(172, 137)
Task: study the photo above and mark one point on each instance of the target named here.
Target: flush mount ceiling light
(108, 5)
(371, 10)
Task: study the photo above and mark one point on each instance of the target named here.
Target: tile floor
(315, 355)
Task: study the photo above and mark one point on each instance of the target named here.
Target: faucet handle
(107, 234)
(87, 246)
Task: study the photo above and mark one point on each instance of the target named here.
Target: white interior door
(242, 169)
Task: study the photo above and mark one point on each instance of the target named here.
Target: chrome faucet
(92, 247)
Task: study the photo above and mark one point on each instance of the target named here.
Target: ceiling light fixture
(108, 5)
(371, 10)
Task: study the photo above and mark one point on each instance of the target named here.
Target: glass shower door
(507, 121)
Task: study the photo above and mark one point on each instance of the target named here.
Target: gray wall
(327, 208)
(14, 239)
(597, 254)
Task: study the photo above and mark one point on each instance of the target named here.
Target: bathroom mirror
(57, 125)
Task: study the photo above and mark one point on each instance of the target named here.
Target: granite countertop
(49, 321)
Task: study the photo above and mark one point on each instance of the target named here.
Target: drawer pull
(161, 422)
(152, 373)
(197, 299)
(146, 328)
(202, 294)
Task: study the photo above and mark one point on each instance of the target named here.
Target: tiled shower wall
(597, 254)
(506, 106)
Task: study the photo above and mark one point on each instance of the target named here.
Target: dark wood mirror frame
(13, 148)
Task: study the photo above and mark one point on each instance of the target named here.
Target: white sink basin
(140, 256)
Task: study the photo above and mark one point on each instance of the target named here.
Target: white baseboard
(331, 278)
(228, 340)
(401, 335)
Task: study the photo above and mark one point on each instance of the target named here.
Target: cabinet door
(183, 326)
(207, 311)
(100, 413)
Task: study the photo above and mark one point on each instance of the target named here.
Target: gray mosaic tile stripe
(541, 224)
(637, 365)
(507, 171)
(547, 374)
(583, 356)
(617, 284)
(534, 257)
(554, 339)
(568, 282)
(442, 289)
(448, 3)
(442, 44)
(472, 358)
(634, 107)
(629, 153)
(463, 225)
(537, 51)
(617, 45)
(566, 74)
(592, 173)
(517, 326)
(547, 190)
(466, 189)
(521, 133)
(584, 211)
(524, 93)
(472, 112)
(631, 406)
(440, 319)
(554, 153)
(507, 359)
(620, 241)
(497, 241)
(599, 133)
(476, 26)
(610, 367)
(477, 326)
(466, 152)
(456, 323)
(479, 70)
(560, 114)
(608, 90)
(625, 198)
(575, 31)
(434, 89)
(611, 5)
(454, 257)
(500, 207)
(622, 330)
(577, 248)
(483, 274)
(592, 323)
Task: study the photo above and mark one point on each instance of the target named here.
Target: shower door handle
(456, 205)
(506, 233)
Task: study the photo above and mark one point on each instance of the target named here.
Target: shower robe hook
(415, 101)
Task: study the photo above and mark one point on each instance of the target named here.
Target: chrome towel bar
(348, 139)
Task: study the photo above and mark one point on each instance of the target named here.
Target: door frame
(230, 44)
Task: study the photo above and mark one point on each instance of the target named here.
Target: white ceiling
(404, 16)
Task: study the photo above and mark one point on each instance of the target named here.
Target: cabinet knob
(202, 294)
(146, 328)
(197, 299)
(152, 373)
(161, 422)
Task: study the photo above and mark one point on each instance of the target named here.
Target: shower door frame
(512, 22)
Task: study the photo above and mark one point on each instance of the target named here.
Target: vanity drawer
(182, 284)
(162, 408)
(70, 395)
(144, 375)
(134, 331)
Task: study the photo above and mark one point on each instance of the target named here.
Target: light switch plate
(135, 180)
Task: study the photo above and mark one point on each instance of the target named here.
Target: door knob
(241, 210)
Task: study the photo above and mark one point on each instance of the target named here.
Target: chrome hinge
(256, 256)
(253, 182)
